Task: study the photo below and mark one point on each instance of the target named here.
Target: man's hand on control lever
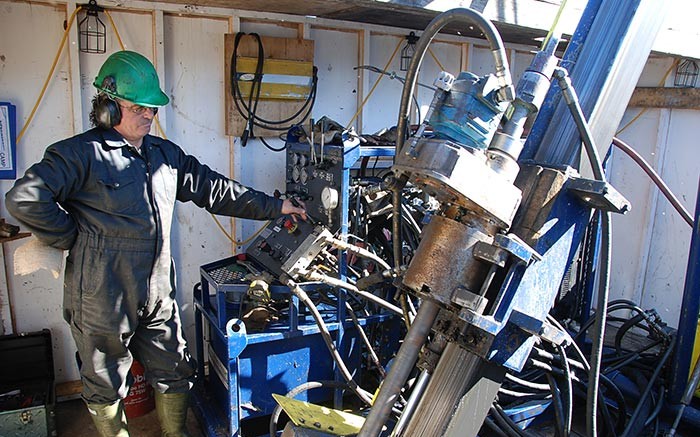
(294, 207)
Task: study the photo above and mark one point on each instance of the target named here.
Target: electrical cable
(660, 84)
(48, 77)
(232, 239)
(249, 110)
(379, 79)
(391, 75)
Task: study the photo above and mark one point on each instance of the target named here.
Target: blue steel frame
(688, 319)
(529, 293)
(277, 359)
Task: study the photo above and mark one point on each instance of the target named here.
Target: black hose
(494, 427)
(249, 110)
(633, 419)
(604, 278)
(568, 391)
(507, 424)
(557, 405)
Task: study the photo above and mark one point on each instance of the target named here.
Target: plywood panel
(289, 49)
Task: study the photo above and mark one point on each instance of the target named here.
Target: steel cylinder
(444, 260)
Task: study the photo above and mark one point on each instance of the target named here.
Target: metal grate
(230, 274)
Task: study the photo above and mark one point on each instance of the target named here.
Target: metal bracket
(502, 246)
(599, 195)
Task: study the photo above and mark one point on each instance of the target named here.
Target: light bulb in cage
(686, 74)
(92, 35)
(408, 51)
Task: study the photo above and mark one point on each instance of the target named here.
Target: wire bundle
(630, 395)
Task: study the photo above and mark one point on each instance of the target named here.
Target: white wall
(651, 243)
(187, 45)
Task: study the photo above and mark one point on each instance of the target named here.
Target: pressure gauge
(296, 158)
(296, 173)
(303, 160)
(329, 198)
(304, 177)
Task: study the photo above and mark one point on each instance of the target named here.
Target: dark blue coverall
(112, 206)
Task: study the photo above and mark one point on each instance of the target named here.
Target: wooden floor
(73, 420)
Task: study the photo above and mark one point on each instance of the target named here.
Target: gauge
(303, 160)
(329, 198)
(296, 159)
(296, 173)
(304, 177)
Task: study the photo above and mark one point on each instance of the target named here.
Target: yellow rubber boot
(172, 413)
(109, 419)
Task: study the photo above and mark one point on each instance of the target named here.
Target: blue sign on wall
(8, 146)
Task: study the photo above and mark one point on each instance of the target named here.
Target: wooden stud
(675, 98)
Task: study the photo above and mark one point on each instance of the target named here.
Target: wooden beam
(675, 98)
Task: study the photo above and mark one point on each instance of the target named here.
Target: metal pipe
(402, 366)
(412, 403)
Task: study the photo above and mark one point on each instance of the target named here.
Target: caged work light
(686, 74)
(92, 35)
(408, 50)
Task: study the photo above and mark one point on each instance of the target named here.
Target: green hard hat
(130, 76)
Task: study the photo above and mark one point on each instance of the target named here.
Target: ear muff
(107, 112)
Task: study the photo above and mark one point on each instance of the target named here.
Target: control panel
(315, 175)
(278, 241)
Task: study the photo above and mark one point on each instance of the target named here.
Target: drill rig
(513, 211)
(491, 261)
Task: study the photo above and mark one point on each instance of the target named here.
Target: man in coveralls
(108, 196)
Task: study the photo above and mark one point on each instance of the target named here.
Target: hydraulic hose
(363, 335)
(502, 73)
(455, 15)
(359, 251)
(605, 240)
(647, 390)
(315, 276)
(649, 170)
(325, 334)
